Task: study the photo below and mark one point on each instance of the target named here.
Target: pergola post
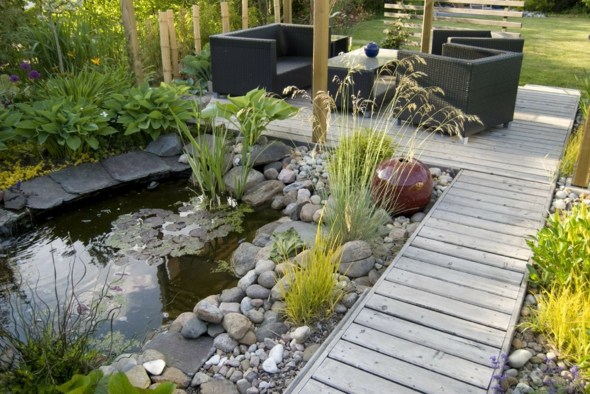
(320, 69)
(130, 27)
(287, 11)
(427, 25)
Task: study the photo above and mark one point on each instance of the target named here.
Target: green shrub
(8, 119)
(312, 289)
(285, 245)
(117, 383)
(561, 251)
(198, 68)
(151, 111)
(62, 127)
(395, 36)
(91, 85)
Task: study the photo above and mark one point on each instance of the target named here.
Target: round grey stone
(208, 312)
(193, 328)
(263, 266)
(257, 291)
(267, 279)
(225, 343)
(235, 294)
(519, 358)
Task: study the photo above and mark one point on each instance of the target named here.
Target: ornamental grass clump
(311, 290)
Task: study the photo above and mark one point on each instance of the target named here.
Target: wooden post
(244, 14)
(320, 69)
(129, 24)
(277, 9)
(173, 44)
(427, 25)
(165, 47)
(287, 11)
(580, 178)
(197, 28)
(224, 17)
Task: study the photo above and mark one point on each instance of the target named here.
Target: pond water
(150, 293)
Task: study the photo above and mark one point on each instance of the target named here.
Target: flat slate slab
(272, 152)
(8, 220)
(83, 179)
(175, 166)
(133, 166)
(188, 355)
(44, 193)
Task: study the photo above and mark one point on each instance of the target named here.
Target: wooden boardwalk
(451, 298)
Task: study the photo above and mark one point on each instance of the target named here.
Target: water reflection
(75, 240)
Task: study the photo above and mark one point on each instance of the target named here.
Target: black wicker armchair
(479, 38)
(272, 57)
(478, 81)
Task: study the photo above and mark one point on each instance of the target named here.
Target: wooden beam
(502, 3)
(580, 178)
(400, 6)
(472, 11)
(165, 47)
(287, 11)
(130, 27)
(173, 44)
(427, 25)
(277, 10)
(321, 110)
(244, 14)
(224, 17)
(490, 22)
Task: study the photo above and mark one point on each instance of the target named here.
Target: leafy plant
(563, 316)
(89, 85)
(208, 158)
(286, 244)
(395, 37)
(116, 383)
(8, 119)
(311, 290)
(150, 110)
(52, 335)
(62, 127)
(347, 14)
(561, 251)
(198, 68)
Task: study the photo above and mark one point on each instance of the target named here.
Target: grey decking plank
(422, 356)
(431, 337)
(409, 375)
(497, 192)
(352, 379)
(485, 245)
(503, 228)
(513, 182)
(437, 320)
(497, 200)
(468, 209)
(450, 290)
(452, 307)
(532, 216)
(515, 188)
(314, 387)
(473, 280)
(476, 228)
(463, 252)
(463, 265)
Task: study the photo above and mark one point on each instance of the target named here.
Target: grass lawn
(556, 49)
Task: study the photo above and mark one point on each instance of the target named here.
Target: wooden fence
(419, 15)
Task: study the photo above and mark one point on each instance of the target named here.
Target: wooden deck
(451, 298)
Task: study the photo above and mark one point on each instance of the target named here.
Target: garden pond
(157, 254)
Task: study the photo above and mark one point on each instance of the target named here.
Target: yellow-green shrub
(563, 315)
(570, 156)
(313, 291)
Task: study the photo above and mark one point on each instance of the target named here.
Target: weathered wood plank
(456, 345)
(450, 290)
(470, 227)
(417, 354)
(530, 216)
(463, 252)
(481, 244)
(460, 309)
(538, 195)
(314, 387)
(398, 371)
(526, 206)
(463, 265)
(472, 211)
(451, 275)
(351, 379)
(478, 187)
(473, 222)
(534, 187)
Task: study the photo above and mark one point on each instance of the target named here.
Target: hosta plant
(63, 128)
(150, 110)
(7, 121)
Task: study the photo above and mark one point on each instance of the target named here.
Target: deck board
(451, 298)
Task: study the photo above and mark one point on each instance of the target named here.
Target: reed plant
(311, 290)
(352, 211)
(570, 156)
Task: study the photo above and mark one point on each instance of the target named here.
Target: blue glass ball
(372, 49)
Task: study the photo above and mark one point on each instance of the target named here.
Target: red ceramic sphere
(402, 186)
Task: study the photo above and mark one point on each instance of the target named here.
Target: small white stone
(270, 366)
(301, 334)
(155, 367)
(559, 204)
(519, 357)
(213, 360)
(435, 171)
(561, 194)
(276, 353)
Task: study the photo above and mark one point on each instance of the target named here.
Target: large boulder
(356, 259)
(244, 258)
(236, 325)
(166, 145)
(263, 193)
(273, 152)
(232, 177)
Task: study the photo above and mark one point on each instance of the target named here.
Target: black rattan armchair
(479, 38)
(272, 57)
(478, 81)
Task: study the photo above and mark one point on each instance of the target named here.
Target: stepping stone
(44, 193)
(134, 166)
(272, 152)
(83, 179)
(188, 355)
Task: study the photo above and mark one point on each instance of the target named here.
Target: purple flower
(34, 74)
(14, 78)
(25, 66)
